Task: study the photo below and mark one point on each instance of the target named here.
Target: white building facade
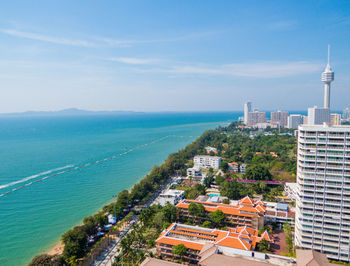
(294, 121)
(323, 190)
(206, 161)
(279, 117)
(247, 110)
(318, 116)
(256, 117)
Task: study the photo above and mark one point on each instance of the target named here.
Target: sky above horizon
(172, 55)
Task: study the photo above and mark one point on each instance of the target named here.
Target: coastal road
(108, 255)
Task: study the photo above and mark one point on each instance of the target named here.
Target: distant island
(68, 112)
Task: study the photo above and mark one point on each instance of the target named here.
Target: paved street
(107, 257)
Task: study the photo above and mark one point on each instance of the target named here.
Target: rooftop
(196, 238)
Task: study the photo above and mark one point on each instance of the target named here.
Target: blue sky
(171, 55)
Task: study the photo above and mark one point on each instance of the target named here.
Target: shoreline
(58, 247)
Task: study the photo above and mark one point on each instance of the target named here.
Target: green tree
(75, 242)
(169, 212)
(207, 224)
(217, 217)
(226, 201)
(263, 246)
(257, 172)
(219, 180)
(196, 210)
(179, 250)
(47, 260)
(288, 230)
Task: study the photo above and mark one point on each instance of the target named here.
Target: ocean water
(104, 155)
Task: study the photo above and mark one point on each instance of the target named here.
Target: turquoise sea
(35, 213)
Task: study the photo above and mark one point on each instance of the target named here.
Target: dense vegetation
(267, 157)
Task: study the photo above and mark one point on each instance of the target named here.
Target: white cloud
(135, 61)
(45, 38)
(95, 41)
(248, 70)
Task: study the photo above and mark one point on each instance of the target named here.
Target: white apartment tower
(322, 218)
(247, 110)
(294, 121)
(318, 116)
(280, 117)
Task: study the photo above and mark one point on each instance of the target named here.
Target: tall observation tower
(327, 78)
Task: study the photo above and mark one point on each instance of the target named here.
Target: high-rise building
(279, 117)
(294, 121)
(335, 119)
(327, 77)
(346, 113)
(318, 116)
(247, 110)
(323, 190)
(256, 117)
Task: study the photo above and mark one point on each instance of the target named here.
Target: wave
(33, 176)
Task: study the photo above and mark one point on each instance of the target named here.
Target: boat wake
(34, 176)
(54, 172)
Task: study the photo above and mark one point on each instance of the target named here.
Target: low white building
(172, 196)
(206, 161)
(194, 172)
(211, 149)
(290, 190)
(279, 213)
(242, 167)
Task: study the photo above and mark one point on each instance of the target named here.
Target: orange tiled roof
(242, 237)
(246, 201)
(234, 242)
(238, 210)
(191, 234)
(214, 233)
(174, 242)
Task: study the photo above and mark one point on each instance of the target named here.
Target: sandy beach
(57, 249)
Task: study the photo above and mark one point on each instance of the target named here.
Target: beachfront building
(240, 241)
(172, 196)
(206, 161)
(323, 186)
(246, 212)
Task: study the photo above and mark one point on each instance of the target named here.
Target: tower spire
(327, 78)
(329, 56)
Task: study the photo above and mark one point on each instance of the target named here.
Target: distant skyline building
(256, 117)
(318, 116)
(335, 119)
(294, 121)
(247, 110)
(323, 190)
(346, 113)
(279, 117)
(327, 77)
